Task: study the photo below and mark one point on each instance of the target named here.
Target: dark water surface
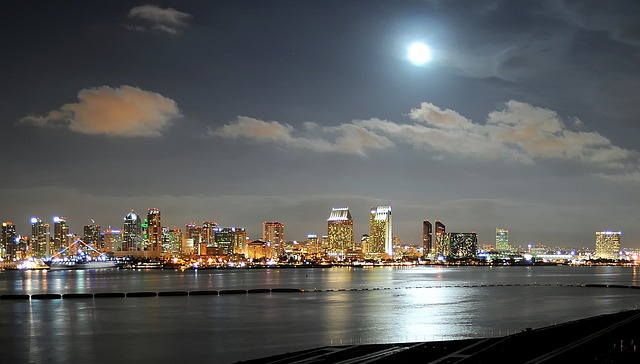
(339, 306)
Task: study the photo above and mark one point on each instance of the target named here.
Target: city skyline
(523, 116)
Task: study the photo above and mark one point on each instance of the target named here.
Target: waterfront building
(380, 232)
(194, 232)
(154, 232)
(40, 238)
(502, 239)
(442, 240)
(313, 245)
(427, 237)
(608, 244)
(239, 240)
(92, 235)
(8, 241)
(273, 235)
(132, 232)
(207, 235)
(463, 245)
(224, 239)
(171, 240)
(364, 243)
(339, 233)
(61, 238)
(112, 240)
(257, 250)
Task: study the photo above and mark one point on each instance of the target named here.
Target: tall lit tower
(380, 231)
(427, 237)
(442, 240)
(208, 233)
(40, 237)
(608, 244)
(273, 235)
(8, 240)
(92, 235)
(132, 232)
(339, 232)
(502, 239)
(154, 230)
(60, 233)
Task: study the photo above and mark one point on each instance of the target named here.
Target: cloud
(519, 133)
(124, 111)
(154, 18)
(345, 138)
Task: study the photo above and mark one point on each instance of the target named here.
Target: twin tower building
(377, 244)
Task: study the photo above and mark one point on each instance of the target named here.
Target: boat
(80, 264)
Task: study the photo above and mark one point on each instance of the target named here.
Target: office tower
(171, 240)
(442, 240)
(208, 233)
(154, 231)
(273, 235)
(339, 232)
(60, 234)
(224, 239)
(364, 243)
(40, 238)
(427, 238)
(239, 240)
(112, 240)
(313, 245)
(132, 232)
(463, 245)
(502, 239)
(380, 231)
(8, 240)
(92, 235)
(193, 232)
(608, 244)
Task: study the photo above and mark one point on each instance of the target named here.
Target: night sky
(525, 118)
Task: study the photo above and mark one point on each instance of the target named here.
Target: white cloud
(519, 133)
(153, 17)
(124, 111)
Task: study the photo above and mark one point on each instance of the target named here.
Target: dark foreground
(611, 338)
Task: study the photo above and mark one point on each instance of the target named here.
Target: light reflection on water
(366, 305)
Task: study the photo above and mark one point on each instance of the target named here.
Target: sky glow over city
(521, 115)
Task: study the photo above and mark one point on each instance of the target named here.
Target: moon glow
(418, 53)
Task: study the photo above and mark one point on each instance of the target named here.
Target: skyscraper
(427, 237)
(380, 231)
(40, 238)
(92, 235)
(154, 231)
(273, 235)
(339, 232)
(502, 239)
(442, 240)
(463, 245)
(608, 244)
(132, 232)
(8, 240)
(60, 234)
(208, 233)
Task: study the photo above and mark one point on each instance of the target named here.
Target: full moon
(418, 53)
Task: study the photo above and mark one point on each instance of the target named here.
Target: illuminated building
(273, 235)
(380, 231)
(313, 245)
(224, 238)
(154, 231)
(92, 236)
(502, 239)
(193, 232)
(8, 240)
(171, 240)
(339, 232)
(112, 240)
(239, 240)
(60, 234)
(207, 235)
(364, 242)
(427, 237)
(132, 232)
(258, 250)
(463, 245)
(608, 244)
(40, 238)
(442, 240)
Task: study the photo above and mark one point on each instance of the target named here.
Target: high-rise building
(40, 238)
(224, 239)
(132, 232)
(92, 235)
(427, 237)
(313, 245)
(193, 232)
(380, 231)
(608, 244)
(112, 240)
(61, 237)
(502, 239)
(154, 231)
(273, 235)
(463, 245)
(172, 240)
(8, 240)
(239, 240)
(339, 232)
(208, 233)
(442, 240)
